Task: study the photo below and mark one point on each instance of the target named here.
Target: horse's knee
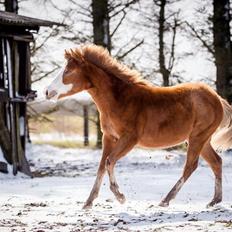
(109, 164)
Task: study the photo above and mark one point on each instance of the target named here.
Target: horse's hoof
(213, 202)
(121, 198)
(87, 206)
(163, 204)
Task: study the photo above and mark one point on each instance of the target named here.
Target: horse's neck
(103, 97)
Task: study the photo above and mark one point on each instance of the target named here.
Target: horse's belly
(153, 143)
(166, 127)
(164, 138)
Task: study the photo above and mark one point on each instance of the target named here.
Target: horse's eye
(65, 71)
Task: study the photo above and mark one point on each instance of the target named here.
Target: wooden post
(12, 108)
(5, 141)
(86, 125)
(22, 85)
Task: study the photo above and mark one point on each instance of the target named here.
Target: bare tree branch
(46, 74)
(130, 50)
(35, 114)
(124, 7)
(119, 23)
(87, 9)
(53, 32)
(172, 54)
(113, 7)
(199, 37)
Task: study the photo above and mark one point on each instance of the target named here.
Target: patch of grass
(182, 147)
(66, 143)
(228, 224)
(58, 123)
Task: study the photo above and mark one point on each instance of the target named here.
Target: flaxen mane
(101, 58)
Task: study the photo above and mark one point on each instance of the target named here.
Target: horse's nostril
(50, 94)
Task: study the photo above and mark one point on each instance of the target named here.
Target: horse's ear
(74, 55)
(67, 54)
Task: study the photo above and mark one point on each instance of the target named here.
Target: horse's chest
(111, 127)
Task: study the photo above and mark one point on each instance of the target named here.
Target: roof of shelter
(12, 19)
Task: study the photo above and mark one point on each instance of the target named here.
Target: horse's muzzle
(51, 94)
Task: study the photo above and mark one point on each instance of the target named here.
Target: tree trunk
(162, 66)
(99, 132)
(11, 6)
(101, 23)
(101, 35)
(222, 48)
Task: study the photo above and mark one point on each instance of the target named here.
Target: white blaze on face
(57, 87)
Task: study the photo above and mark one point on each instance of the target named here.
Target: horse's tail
(222, 138)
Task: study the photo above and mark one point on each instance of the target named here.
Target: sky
(195, 67)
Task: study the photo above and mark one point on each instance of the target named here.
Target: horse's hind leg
(194, 149)
(215, 162)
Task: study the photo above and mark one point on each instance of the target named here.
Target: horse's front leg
(108, 144)
(122, 147)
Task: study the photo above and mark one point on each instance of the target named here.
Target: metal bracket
(31, 95)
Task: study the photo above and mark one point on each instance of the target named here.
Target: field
(64, 131)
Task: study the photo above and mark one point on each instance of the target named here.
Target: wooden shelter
(16, 33)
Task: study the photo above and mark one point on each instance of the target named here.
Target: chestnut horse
(134, 112)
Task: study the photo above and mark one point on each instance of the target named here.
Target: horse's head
(71, 78)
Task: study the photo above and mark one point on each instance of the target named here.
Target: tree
(101, 36)
(102, 12)
(101, 23)
(214, 34)
(222, 47)
(166, 63)
(163, 69)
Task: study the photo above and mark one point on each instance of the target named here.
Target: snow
(53, 200)
(83, 97)
(49, 137)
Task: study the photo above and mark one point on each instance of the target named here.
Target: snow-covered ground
(53, 200)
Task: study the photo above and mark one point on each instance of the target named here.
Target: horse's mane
(101, 58)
